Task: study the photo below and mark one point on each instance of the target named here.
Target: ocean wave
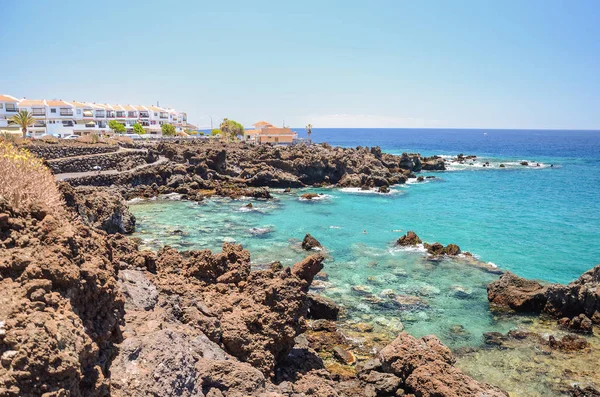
(420, 248)
(170, 196)
(359, 190)
(135, 200)
(493, 163)
(320, 197)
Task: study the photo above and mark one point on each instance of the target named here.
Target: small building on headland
(265, 132)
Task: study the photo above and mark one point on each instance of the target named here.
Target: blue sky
(464, 64)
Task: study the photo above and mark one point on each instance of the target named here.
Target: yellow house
(265, 132)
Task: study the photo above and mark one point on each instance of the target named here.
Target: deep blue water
(544, 224)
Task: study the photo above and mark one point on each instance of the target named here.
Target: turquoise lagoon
(540, 222)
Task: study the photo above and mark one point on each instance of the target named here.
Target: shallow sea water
(539, 222)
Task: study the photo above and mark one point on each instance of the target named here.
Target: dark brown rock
(517, 293)
(320, 307)
(409, 239)
(310, 243)
(308, 268)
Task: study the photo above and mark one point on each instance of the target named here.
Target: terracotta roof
(156, 109)
(8, 98)
(251, 132)
(141, 108)
(82, 105)
(261, 124)
(277, 131)
(31, 102)
(129, 108)
(57, 103)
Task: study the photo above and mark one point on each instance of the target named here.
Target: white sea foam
(317, 198)
(171, 196)
(358, 190)
(335, 227)
(135, 200)
(420, 248)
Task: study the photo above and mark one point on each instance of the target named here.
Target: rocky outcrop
(581, 297)
(425, 365)
(103, 209)
(437, 249)
(322, 308)
(517, 293)
(60, 308)
(409, 239)
(310, 243)
(49, 151)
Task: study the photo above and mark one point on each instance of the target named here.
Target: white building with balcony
(62, 118)
(8, 108)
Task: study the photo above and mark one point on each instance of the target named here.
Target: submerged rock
(309, 196)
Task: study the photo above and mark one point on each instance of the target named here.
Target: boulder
(409, 239)
(452, 250)
(308, 268)
(425, 364)
(518, 294)
(435, 249)
(310, 243)
(322, 308)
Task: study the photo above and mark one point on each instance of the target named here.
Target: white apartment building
(8, 108)
(62, 118)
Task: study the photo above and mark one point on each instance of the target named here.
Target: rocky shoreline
(85, 312)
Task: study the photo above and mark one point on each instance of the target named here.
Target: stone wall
(111, 161)
(50, 152)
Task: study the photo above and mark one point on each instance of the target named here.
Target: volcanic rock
(310, 243)
(426, 366)
(409, 239)
(320, 307)
(517, 293)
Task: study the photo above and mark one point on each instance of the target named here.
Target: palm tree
(23, 119)
(309, 130)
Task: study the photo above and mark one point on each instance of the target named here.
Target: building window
(155, 114)
(121, 114)
(53, 110)
(131, 115)
(67, 123)
(78, 111)
(1, 105)
(88, 113)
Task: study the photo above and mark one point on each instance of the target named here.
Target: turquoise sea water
(539, 222)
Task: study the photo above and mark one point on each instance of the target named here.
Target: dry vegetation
(25, 181)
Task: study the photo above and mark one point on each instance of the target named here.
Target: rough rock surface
(223, 168)
(425, 364)
(580, 297)
(60, 307)
(410, 238)
(103, 209)
(322, 308)
(310, 243)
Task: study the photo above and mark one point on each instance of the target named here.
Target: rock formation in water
(409, 239)
(202, 168)
(576, 304)
(309, 243)
(85, 313)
